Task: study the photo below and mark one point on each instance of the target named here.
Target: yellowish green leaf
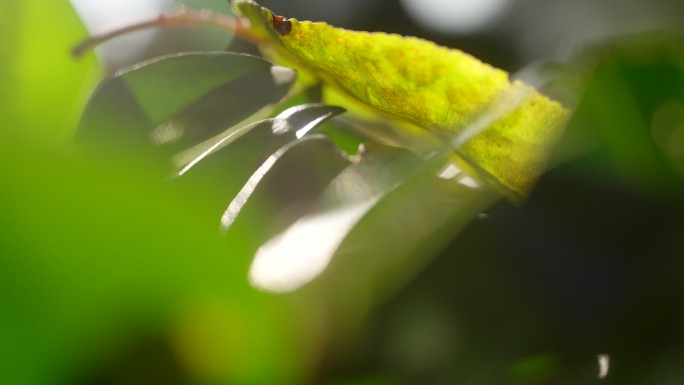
(412, 80)
(39, 73)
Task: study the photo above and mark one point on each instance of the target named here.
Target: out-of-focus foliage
(177, 101)
(105, 15)
(99, 272)
(38, 70)
(591, 264)
(111, 274)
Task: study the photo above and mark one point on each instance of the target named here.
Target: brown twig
(183, 18)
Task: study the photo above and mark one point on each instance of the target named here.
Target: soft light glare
(168, 132)
(282, 76)
(604, 365)
(106, 15)
(454, 16)
(303, 251)
(451, 171)
(469, 182)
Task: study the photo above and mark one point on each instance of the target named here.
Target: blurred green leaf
(39, 73)
(182, 99)
(637, 79)
(534, 370)
(99, 256)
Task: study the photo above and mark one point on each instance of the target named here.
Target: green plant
(112, 272)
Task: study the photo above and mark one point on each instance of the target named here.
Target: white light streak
(604, 365)
(305, 130)
(469, 182)
(455, 16)
(451, 171)
(282, 75)
(303, 251)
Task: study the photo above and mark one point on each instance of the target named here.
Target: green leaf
(417, 82)
(395, 187)
(186, 98)
(283, 188)
(39, 73)
(99, 256)
(220, 167)
(288, 125)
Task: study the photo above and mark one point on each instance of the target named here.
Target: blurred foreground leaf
(180, 100)
(101, 257)
(38, 72)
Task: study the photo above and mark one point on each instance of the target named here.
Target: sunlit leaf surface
(220, 168)
(439, 89)
(39, 73)
(289, 125)
(302, 251)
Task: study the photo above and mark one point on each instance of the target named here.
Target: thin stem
(182, 18)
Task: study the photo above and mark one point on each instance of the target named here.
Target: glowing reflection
(604, 365)
(168, 132)
(282, 75)
(323, 112)
(305, 130)
(469, 182)
(450, 171)
(107, 15)
(232, 135)
(303, 251)
(241, 198)
(454, 16)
